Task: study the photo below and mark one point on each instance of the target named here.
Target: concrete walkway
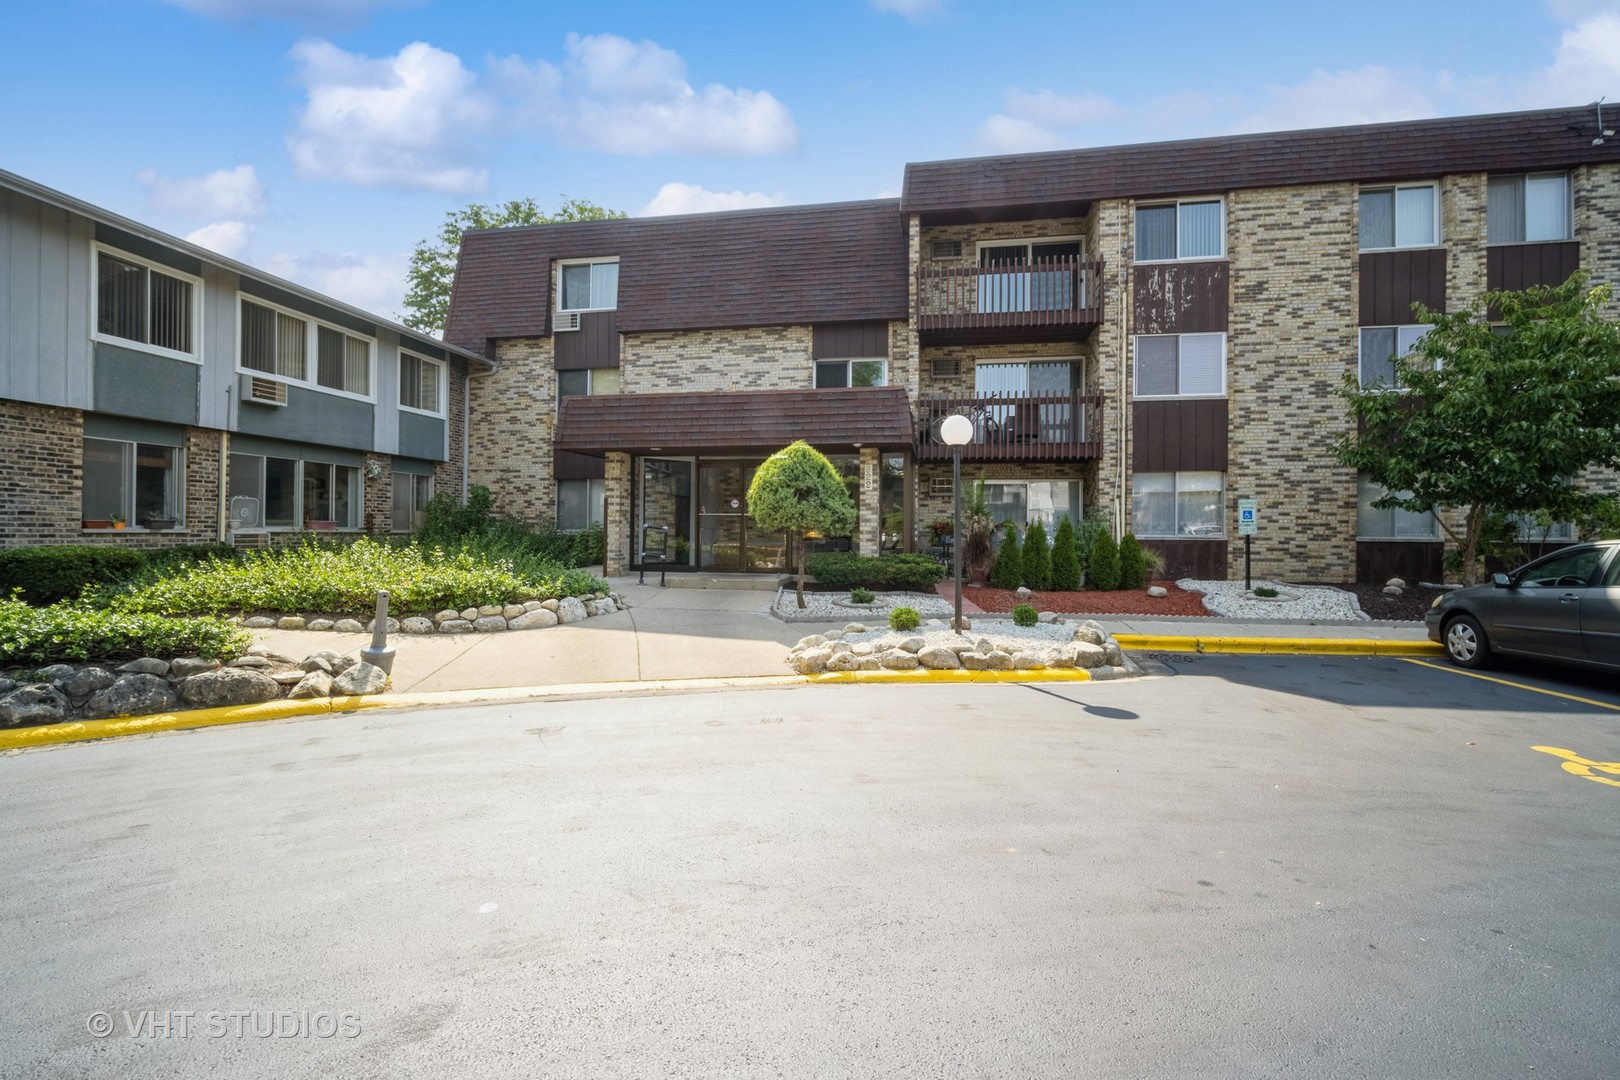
(671, 633)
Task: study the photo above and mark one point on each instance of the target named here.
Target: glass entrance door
(666, 512)
(728, 539)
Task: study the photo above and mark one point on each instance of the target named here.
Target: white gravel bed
(1228, 599)
(825, 607)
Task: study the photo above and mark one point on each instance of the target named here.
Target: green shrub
(1065, 564)
(48, 635)
(904, 618)
(48, 574)
(475, 527)
(1090, 527)
(861, 596)
(1265, 591)
(1132, 566)
(1102, 572)
(1025, 615)
(847, 570)
(1036, 560)
(1008, 572)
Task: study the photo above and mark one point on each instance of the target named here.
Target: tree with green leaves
(1008, 572)
(1102, 569)
(433, 263)
(1065, 563)
(1037, 558)
(797, 491)
(1496, 418)
(1132, 564)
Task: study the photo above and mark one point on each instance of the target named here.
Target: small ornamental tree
(1037, 558)
(1009, 568)
(1132, 564)
(1103, 570)
(796, 491)
(1495, 419)
(1065, 563)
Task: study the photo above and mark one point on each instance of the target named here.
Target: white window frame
(1361, 355)
(1439, 223)
(439, 374)
(584, 262)
(590, 384)
(1136, 352)
(195, 356)
(1175, 497)
(1569, 207)
(127, 483)
(300, 511)
(1219, 200)
(1028, 242)
(1075, 361)
(312, 357)
(849, 370)
(595, 494)
(1434, 523)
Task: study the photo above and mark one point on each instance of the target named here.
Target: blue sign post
(1248, 525)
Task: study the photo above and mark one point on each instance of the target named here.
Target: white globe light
(957, 430)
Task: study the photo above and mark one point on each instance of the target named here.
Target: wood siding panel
(839, 341)
(1391, 281)
(1204, 560)
(1410, 560)
(1186, 298)
(1179, 436)
(1519, 266)
(594, 345)
(567, 465)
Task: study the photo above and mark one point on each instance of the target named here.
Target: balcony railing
(1015, 427)
(1047, 294)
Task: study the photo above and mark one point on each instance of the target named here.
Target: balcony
(1015, 427)
(1052, 299)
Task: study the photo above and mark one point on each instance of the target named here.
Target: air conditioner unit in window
(564, 320)
(263, 391)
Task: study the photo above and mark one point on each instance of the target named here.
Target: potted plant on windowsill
(118, 521)
(319, 524)
(158, 524)
(96, 523)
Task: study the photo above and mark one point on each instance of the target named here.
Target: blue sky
(321, 139)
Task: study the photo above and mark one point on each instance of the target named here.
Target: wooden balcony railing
(1052, 294)
(1015, 427)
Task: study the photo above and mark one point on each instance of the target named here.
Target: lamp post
(957, 431)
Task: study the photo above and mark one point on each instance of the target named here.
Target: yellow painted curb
(958, 675)
(1278, 646)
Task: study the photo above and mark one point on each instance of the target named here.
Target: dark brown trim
(1512, 267)
(1204, 560)
(1181, 298)
(594, 345)
(1410, 560)
(567, 465)
(1391, 281)
(1179, 436)
(840, 341)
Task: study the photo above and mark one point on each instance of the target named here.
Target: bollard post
(379, 653)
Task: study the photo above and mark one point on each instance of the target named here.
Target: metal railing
(1056, 292)
(1015, 427)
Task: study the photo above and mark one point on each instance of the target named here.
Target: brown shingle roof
(799, 264)
(1415, 149)
(763, 420)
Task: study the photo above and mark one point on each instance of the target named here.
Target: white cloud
(374, 283)
(623, 97)
(234, 192)
(1031, 121)
(1574, 11)
(229, 238)
(314, 11)
(1585, 66)
(1365, 95)
(679, 198)
(404, 121)
(915, 10)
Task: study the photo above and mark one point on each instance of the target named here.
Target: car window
(1612, 578)
(1571, 571)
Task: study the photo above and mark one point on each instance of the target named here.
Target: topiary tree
(1009, 569)
(1103, 570)
(1132, 563)
(797, 490)
(1037, 556)
(1065, 564)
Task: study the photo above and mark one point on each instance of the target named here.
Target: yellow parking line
(1516, 685)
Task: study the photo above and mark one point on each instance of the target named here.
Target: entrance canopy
(760, 421)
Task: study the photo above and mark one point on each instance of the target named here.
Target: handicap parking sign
(1248, 517)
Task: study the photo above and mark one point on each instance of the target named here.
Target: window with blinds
(1528, 209)
(419, 384)
(1180, 365)
(1400, 217)
(1193, 229)
(342, 361)
(139, 303)
(589, 286)
(274, 342)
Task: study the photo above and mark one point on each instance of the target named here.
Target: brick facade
(760, 358)
(515, 414)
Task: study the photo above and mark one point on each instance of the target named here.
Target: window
(579, 504)
(1527, 209)
(1030, 275)
(1373, 523)
(1182, 230)
(1531, 530)
(589, 286)
(1400, 217)
(838, 373)
(1181, 365)
(285, 493)
(279, 343)
(1025, 502)
(1567, 570)
(1180, 504)
(142, 304)
(412, 492)
(588, 381)
(1380, 345)
(131, 481)
(419, 384)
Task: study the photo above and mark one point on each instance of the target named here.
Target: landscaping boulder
(228, 686)
(1090, 633)
(350, 626)
(290, 622)
(269, 654)
(146, 665)
(606, 606)
(863, 648)
(393, 625)
(469, 614)
(489, 624)
(532, 605)
(490, 609)
(85, 681)
(36, 703)
(811, 661)
(552, 604)
(854, 628)
(258, 663)
(259, 622)
(187, 666)
(570, 609)
(319, 624)
(315, 684)
(1113, 654)
(810, 642)
(538, 619)
(1399, 583)
(7, 685)
(939, 658)
(417, 624)
(442, 617)
(51, 672)
(911, 644)
(289, 678)
(455, 626)
(1083, 654)
(362, 678)
(1028, 661)
(844, 661)
(325, 660)
(1158, 592)
(136, 694)
(511, 611)
(899, 660)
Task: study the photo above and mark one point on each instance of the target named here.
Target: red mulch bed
(1095, 602)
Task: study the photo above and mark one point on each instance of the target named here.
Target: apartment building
(155, 393)
(1152, 331)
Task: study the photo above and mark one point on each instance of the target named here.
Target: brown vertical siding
(1391, 281)
(1410, 560)
(594, 345)
(1183, 298)
(1204, 560)
(1179, 436)
(1518, 266)
(567, 465)
(836, 341)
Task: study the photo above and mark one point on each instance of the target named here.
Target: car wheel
(1466, 644)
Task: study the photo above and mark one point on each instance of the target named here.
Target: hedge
(846, 570)
(48, 635)
(46, 575)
